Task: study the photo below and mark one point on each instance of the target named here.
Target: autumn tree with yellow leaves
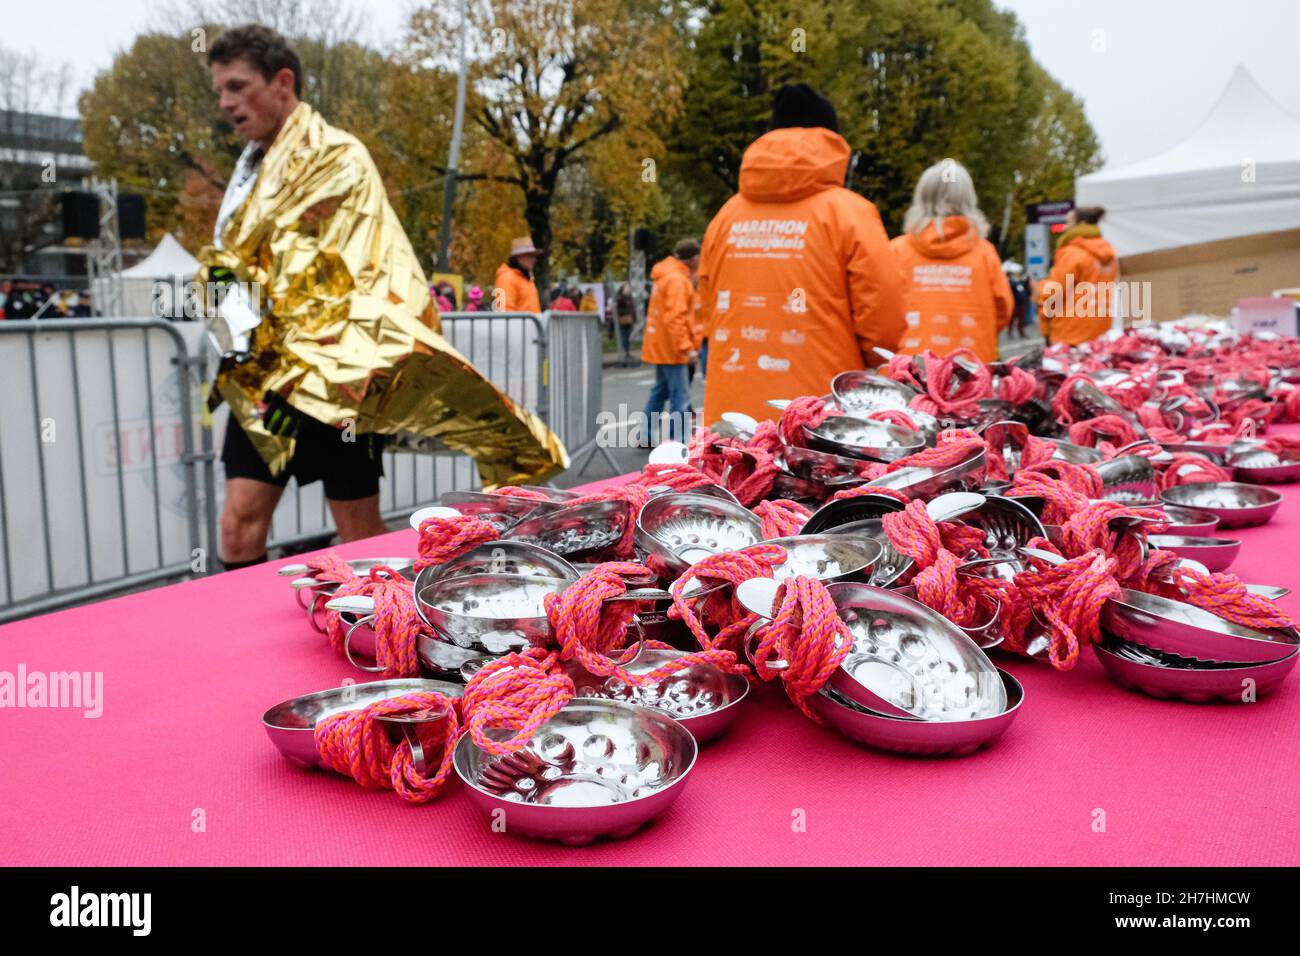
(563, 96)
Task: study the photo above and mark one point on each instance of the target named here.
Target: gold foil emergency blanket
(349, 332)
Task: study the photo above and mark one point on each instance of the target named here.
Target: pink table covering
(188, 671)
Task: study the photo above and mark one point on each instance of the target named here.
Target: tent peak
(1236, 174)
(1244, 123)
(1243, 90)
(168, 258)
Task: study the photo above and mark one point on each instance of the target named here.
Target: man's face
(256, 106)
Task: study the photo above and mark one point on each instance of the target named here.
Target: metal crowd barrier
(577, 347)
(108, 474)
(101, 461)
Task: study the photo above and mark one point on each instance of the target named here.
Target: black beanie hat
(798, 104)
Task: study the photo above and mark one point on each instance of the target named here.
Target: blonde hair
(945, 189)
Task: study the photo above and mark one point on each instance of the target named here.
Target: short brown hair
(262, 48)
(687, 249)
(1089, 214)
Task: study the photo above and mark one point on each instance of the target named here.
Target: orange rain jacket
(1074, 301)
(519, 292)
(954, 291)
(670, 315)
(697, 320)
(797, 282)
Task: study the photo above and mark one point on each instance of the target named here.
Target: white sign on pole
(1038, 250)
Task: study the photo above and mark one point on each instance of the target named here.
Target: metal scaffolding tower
(104, 254)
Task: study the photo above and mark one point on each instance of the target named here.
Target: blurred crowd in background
(33, 299)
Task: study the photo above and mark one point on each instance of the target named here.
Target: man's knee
(242, 534)
(245, 523)
(358, 518)
(240, 514)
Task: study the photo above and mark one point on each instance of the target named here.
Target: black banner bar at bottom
(337, 904)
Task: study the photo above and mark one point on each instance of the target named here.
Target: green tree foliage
(914, 81)
(151, 121)
(556, 85)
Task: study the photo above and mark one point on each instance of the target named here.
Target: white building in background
(31, 145)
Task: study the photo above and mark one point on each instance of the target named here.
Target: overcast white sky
(1147, 70)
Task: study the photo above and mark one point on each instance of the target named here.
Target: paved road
(1010, 348)
(623, 401)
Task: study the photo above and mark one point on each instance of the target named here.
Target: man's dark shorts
(349, 469)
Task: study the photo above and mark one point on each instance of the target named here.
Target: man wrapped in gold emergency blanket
(349, 334)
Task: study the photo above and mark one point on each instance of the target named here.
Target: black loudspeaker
(644, 240)
(130, 216)
(80, 215)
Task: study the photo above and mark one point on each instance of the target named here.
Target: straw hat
(522, 246)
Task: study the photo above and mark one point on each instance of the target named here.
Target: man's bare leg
(357, 519)
(246, 519)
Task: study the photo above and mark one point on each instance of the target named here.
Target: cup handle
(984, 628)
(410, 729)
(317, 605)
(1135, 444)
(640, 645)
(418, 759)
(347, 646)
(749, 653)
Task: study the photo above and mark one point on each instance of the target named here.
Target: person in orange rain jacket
(515, 289)
(1074, 302)
(670, 343)
(955, 293)
(797, 282)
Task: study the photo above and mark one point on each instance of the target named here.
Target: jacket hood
(1087, 237)
(789, 164)
(1097, 247)
(667, 266)
(959, 238)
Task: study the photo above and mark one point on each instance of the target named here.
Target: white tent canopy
(1238, 174)
(169, 264)
(168, 260)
